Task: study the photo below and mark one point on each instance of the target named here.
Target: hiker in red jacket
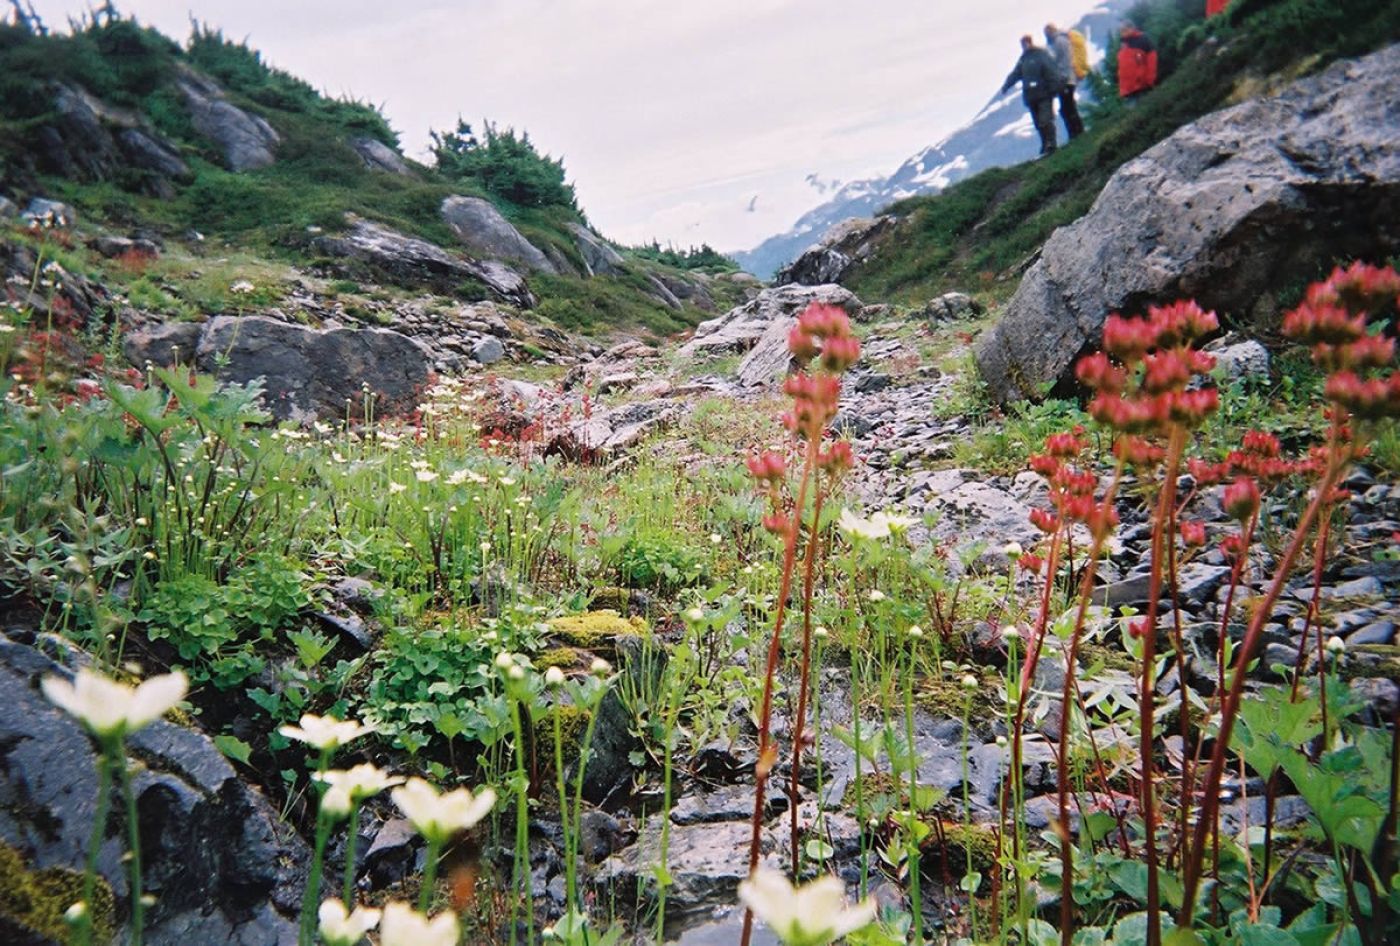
(1137, 62)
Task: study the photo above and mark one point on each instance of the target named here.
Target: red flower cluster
(1260, 457)
(1071, 490)
(1332, 319)
(1161, 343)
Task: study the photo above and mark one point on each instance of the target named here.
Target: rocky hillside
(205, 148)
(998, 136)
(984, 230)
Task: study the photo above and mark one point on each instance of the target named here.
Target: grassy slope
(982, 230)
(315, 181)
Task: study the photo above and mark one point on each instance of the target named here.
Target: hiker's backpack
(1078, 54)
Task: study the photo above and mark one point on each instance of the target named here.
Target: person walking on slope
(1036, 72)
(1057, 43)
(1137, 63)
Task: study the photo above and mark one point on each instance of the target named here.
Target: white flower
(812, 915)
(1335, 645)
(108, 708)
(242, 287)
(348, 787)
(553, 677)
(916, 631)
(425, 476)
(1011, 633)
(325, 732)
(1012, 550)
(970, 682)
(507, 481)
(600, 667)
(716, 538)
(876, 595)
(853, 525)
(439, 816)
(396, 488)
(339, 928)
(404, 926)
(820, 632)
(694, 614)
(893, 521)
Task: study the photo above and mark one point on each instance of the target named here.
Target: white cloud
(669, 116)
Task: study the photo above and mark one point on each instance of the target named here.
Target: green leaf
(233, 747)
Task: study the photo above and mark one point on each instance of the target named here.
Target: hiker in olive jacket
(1040, 83)
(1057, 42)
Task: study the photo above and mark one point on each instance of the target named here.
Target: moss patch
(565, 658)
(35, 900)
(965, 847)
(594, 629)
(573, 724)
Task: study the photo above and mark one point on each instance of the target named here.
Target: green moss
(948, 697)
(36, 900)
(611, 599)
(965, 847)
(594, 629)
(562, 657)
(573, 724)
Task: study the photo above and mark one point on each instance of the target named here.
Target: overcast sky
(682, 121)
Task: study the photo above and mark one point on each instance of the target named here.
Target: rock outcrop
(247, 141)
(1281, 184)
(306, 373)
(741, 327)
(415, 262)
(600, 258)
(90, 140)
(487, 234)
(845, 244)
(309, 373)
(223, 868)
(378, 156)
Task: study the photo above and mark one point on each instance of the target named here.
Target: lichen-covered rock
(601, 259)
(596, 629)
(1281, 184)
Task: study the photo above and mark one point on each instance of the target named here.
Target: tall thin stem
(133, 840)
(352, 839)
(1166, 504)
(767, 753)
(804, 677)
(1230, 706)
(82, 935)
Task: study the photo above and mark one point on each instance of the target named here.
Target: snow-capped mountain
(1000, 135)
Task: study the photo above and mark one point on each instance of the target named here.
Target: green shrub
(505, 165)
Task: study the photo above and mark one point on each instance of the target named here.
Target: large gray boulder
(741, 327)
(223, 868)
(247, 141)
(409, 260)
(1217, 212)
(485, 233)
(309, 373)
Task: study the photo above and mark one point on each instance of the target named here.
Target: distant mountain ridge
(998, 136)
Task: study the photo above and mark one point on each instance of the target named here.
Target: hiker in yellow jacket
(1058, 43)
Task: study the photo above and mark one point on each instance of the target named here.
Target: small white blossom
(341, 928)
(325, 732)
(108, 708)
(554, 677)
(404, 926)
(348, 787)
(814, 914)
(438, 816)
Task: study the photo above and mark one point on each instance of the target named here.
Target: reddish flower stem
(766, 751)
(1166, 504)
(1229, 708)
(799, 723)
